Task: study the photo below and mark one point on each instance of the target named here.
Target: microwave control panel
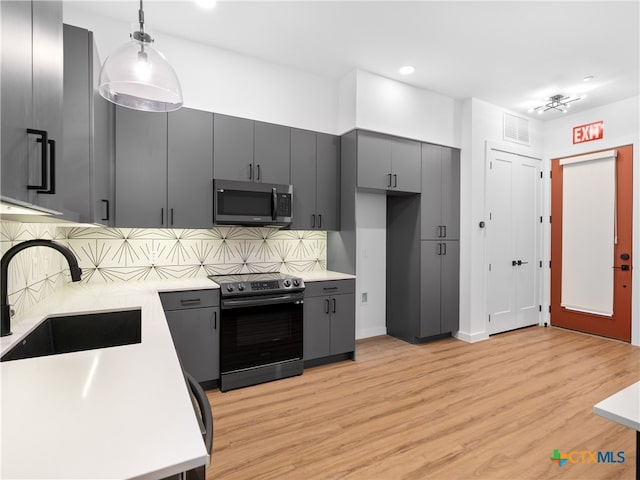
(284, 205)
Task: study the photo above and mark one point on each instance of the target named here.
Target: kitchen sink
(74, 333)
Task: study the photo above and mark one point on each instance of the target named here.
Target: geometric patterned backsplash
(123, 254)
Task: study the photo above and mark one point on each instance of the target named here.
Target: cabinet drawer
(331, 287)
(190, 299)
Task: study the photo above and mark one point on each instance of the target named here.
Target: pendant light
(138, 76)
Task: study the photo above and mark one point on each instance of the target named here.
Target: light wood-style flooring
(495, 409)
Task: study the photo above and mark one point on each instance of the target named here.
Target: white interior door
(513, 199)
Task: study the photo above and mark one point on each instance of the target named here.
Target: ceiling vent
(516, 129)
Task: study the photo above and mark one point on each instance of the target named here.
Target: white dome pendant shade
(138, 76)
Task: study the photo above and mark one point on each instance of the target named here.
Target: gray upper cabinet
(164, 169)
(388, 163)
(31, 78)
(141, 168)
(190, 167)
(315, 175)
(246, 150)
(87, 184)
(232, 148)
(440, 209)
(271, 153)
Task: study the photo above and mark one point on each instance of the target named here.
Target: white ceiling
(510, 53)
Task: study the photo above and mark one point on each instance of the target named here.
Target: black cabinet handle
(334, 305)
(439, 249)
(444, 231)
(162, 216)
(190, 301)
(329, 288)
(319, 220)
(251, 171)
(106, 207)
(172, 216)
(258, 172)
(389, 180)
(214, 324)
(44, 145)
(326, 303)
(444, 248)
(395, 181)
(52, 168)
(313, 220)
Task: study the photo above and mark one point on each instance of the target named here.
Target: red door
(618, 325)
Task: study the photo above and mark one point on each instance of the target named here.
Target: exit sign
(588, 133)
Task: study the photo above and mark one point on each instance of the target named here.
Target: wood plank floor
(445, 410)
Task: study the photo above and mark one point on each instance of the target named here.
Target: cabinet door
(48, 66)
(343, 323)
(271, 153)
(328, 182)
(451, 193)
(141, 168)
(232, 148)
(16, 96)
(196, 337)
(449, 288)
(405, 165)
(431, 196)
(317, 325)
(303, 178)
(374, 161)
(190, 166)
(430, 265)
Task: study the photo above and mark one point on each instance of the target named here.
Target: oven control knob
(287, 283)
(229, 288)
(241, 286)
(296, 282)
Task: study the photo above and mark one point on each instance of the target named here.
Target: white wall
(621, 127)
(481, 123)
(220, 81)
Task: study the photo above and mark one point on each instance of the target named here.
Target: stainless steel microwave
(252, 203)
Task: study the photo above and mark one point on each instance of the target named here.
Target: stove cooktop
(257, 283)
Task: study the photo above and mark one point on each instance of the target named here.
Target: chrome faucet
(5, 312)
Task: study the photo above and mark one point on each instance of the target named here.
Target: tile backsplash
(123, 254)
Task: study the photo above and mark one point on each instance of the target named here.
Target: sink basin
(74, 333)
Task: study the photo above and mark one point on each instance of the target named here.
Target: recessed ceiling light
(206, 3)
(407, 70)
(588, 78)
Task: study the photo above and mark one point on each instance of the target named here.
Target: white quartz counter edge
(120, 412)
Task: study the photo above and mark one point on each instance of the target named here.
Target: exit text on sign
(588, 132)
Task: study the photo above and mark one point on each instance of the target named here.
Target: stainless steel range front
(261, 324)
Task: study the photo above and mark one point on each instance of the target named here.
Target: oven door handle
(258, 302)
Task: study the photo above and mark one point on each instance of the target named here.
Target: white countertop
(119, 412)
(622, 407)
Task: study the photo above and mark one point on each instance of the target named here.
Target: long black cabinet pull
(44, 145)
(251, 171)
(313, 220)
(444, 248)
(329, 288)
(106, 208)
(190, 301)
(52, 168)
(444, 231)
(258, 172)
(172, 216)
(395, 180)
(439, 249)
(389, 180)
(214, 323)
(334, 305)
(326, 302)
(162, 216)
(319, 220)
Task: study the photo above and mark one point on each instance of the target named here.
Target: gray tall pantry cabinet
(32, 88)
(164, 167)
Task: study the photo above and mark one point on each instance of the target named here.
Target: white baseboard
(471, 337)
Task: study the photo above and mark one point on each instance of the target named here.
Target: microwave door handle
(274, 204)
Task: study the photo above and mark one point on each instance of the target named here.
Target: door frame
(581, 149)
(542, 238)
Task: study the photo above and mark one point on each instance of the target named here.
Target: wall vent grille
(516, 129)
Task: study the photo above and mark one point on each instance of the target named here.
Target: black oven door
(260, 330)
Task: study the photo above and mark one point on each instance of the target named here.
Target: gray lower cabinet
(248, 150)
(385, 162)
(164, 169)
(86, 187)
(439, 286)
(315, 175)
(31, 74)
(329, 320)
(440, 210)
(193, 318)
